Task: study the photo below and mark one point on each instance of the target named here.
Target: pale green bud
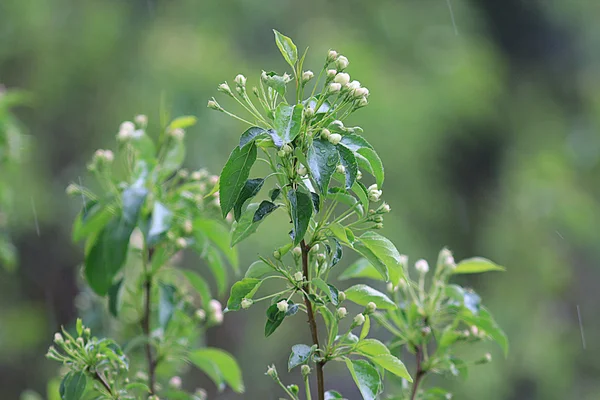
(247, 303)
(341, 296)
(298, 276)
(342, 78)
(359, 320)
(334, 87)
(340, 169)
(335, 138)
(283, 306)
(371, 307)
(341, 63)
(305, 369)
(342, 312)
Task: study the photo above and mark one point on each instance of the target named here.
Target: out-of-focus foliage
(490, 138)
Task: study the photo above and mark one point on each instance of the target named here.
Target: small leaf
(361, 268)
(215, 263)
(199, 285)
(113, 298)
(331, 294)
(355, 142)
(250, 189)
(486, 322)
(366, 377)
(322, 161)
(382, 254)
(274, 319)
(392, 364)
(92, 219)
(258, 269)
(332, 395)
(287, 48)
(376, 166)
(371, 348)
(340, 233)
(234, 175)
(160, 223)
(265, 208)
(166, 304)
(362, 294)
(274, 194)
(288, 120)
(251, 134)
(316, 201)
(476, 265)
(218, 234)
(300, 354)
(348, 160)
(331, 323)
(225, 364)
(301, 210)
(246, 288)
(73, 386)
(174, 156)
(245, 226)
(183, 122)
(337, 255)
(364, 331)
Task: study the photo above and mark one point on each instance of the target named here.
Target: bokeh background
(486, 114)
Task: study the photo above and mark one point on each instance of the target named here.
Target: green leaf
(299, 355)
(366, 377)
(322, 161)
(392, 364)
(160, 223)
(371, 348)
(277, 83)
(114, 294)
(301, 210)
(166, 304)
(340, 233)
(234, 175)
(364, 331)
(484, 321)
(245, 226)
(448, 338)
(218, 234)
(337, 256)
(174, 156)
(199, 284)
(265, 208)
(288, 120)
(258, 269)
(142, 145)
(287, 48)
(361, 268)
(332, 395)
(331, 323)
(133, 198)
(246, 288)
(226, 365)
(376, 166)
(216, 266)
(107, 255)
(362, 294)
(73, 386)
(476, 265)
(361, 192)
(250, 189)
(183, 122)
(355, 142)
(210, 368)
(348, 160)
(274, 319)
(321, 284)
(92, 219)
(79, 326)
(382, 254)
(252, 134)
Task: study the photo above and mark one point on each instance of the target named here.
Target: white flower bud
(337, 124)
(183, 173)
(181, 243)
(224, 88)
(341, 62)
(216, 311)
(297, 252)
(334, 87)
(321, 258)
(282, 306)
(378, 225)
(335, 138)
(359, 174)
(246, 303)
(371, 307)
(307, 76)
(325, 133)
(277, 255)
(141, 120)
(177, 134)
(309, 112)
(281, 153)
(298, 276)
(175, 382)
(341, 296)
(240, 80)
(58, 338)
(342, 78)
(286, 78)
(359, 320)
(315, 248)
(331, 74)
(80, 341)
(73, 189)
(301, 170)
(305, 369)
(353, 85)
(188, 226)
(422, 266)
(375, 194)
(363, 102)
(403, 260)
(271, 371)
(200, 314)
(287, 149)
(386, 208)
(342, 312)
(425, 331)
(201, 394)
(332, 55)
(360, 92)
(214, 105)
(340, 169)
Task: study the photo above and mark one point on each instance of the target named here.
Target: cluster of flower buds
(101, 159)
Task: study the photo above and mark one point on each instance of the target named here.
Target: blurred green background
(488, 128)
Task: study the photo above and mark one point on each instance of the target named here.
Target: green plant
(145, 210)
(315, 164)
(12, 143)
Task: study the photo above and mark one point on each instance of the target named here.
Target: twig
(419, 375)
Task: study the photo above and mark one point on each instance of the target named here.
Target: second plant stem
(151, 361)
(312, 321)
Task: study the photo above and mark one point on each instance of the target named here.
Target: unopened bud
(325, 133)
(341, 63)
(342, 78)
(247, 303)
(175, 382)
(301, 170)
(353, 85)
(200, 314)
(212, 104)
(331, 73)
(378, 225)
(315, 248)
(309, 112)
(334, 87)
(371, 307)
(335, 138)
(187, 226)
(305, 369)
(321, 258)
(73, 189)
(425, 331)
(271, 371)
(332, 55)
(277, 255)
(360, 92)
(422, 266)
(359, 319)
(359, 174)
(240, 80)
(177, 134)
(342, 312)
(283, 306)
(340, 169)
(297, 252)
(141, 120)
(341, 296)
(298, 276)
(181, 243)
(224, 88)
(363, 102)
(307, 76)
(58, 339)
